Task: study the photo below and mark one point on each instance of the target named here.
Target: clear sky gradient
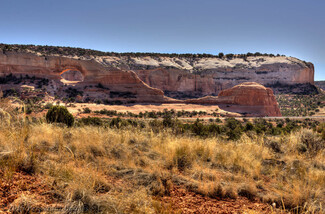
(291, 27)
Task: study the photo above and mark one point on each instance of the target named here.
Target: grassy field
(116, 166)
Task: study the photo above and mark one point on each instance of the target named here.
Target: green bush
(86, 110)
(93, 121)
(200, 129)
(59, 114)
(117, 123)
(234, 134)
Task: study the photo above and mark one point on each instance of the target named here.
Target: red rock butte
(251, 97)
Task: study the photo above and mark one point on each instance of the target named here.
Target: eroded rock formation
(186, 76)
(182, 78)
(115, 84)
(130, 79)
(250, 98)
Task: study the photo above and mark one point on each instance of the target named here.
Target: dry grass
(98, 169)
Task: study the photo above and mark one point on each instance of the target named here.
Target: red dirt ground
(189, 202)
(23, 184)
(180, 199)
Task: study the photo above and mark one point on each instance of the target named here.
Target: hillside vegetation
(119, 167)
(301, 105)
(71, 51)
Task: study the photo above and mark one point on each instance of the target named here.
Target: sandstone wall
(93, 72)
(118, 79)
(178, 77)
(208, 76)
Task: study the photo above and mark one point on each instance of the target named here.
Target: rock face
(130, 78)
(116, 84)
(181, 77)
(250, 98)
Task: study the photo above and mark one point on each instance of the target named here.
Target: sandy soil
(137, 108)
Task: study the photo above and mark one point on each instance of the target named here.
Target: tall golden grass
(99, 169)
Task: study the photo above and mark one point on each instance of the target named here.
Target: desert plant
(183, 158)
(310, 142)
(59, 114)
(86, 110)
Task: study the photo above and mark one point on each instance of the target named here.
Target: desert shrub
(48, 105)
(217, 192)
(99, 85)
(183, 158)
(59, 114)
(168, 121)
(72, 92)
(234, 134)
(86, 110)
(81, 201)
(232, 123)
(321, 130)
(231, 192)
(218, 120)
(275, 146)
(200, 129)
(27, 164)
(274, 131)
(120, 123)
(28, 109)
(249, 126)
(214, 129)
(94, 121)
(248, 190)
(116, 122)
(310, 142)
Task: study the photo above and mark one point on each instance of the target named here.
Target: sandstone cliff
(113, 79)
(184, 76)
(116, 84)
(208, 76)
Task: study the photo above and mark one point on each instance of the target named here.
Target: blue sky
(291, 27)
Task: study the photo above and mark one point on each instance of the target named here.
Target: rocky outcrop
(116, 84)
(250, 98)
